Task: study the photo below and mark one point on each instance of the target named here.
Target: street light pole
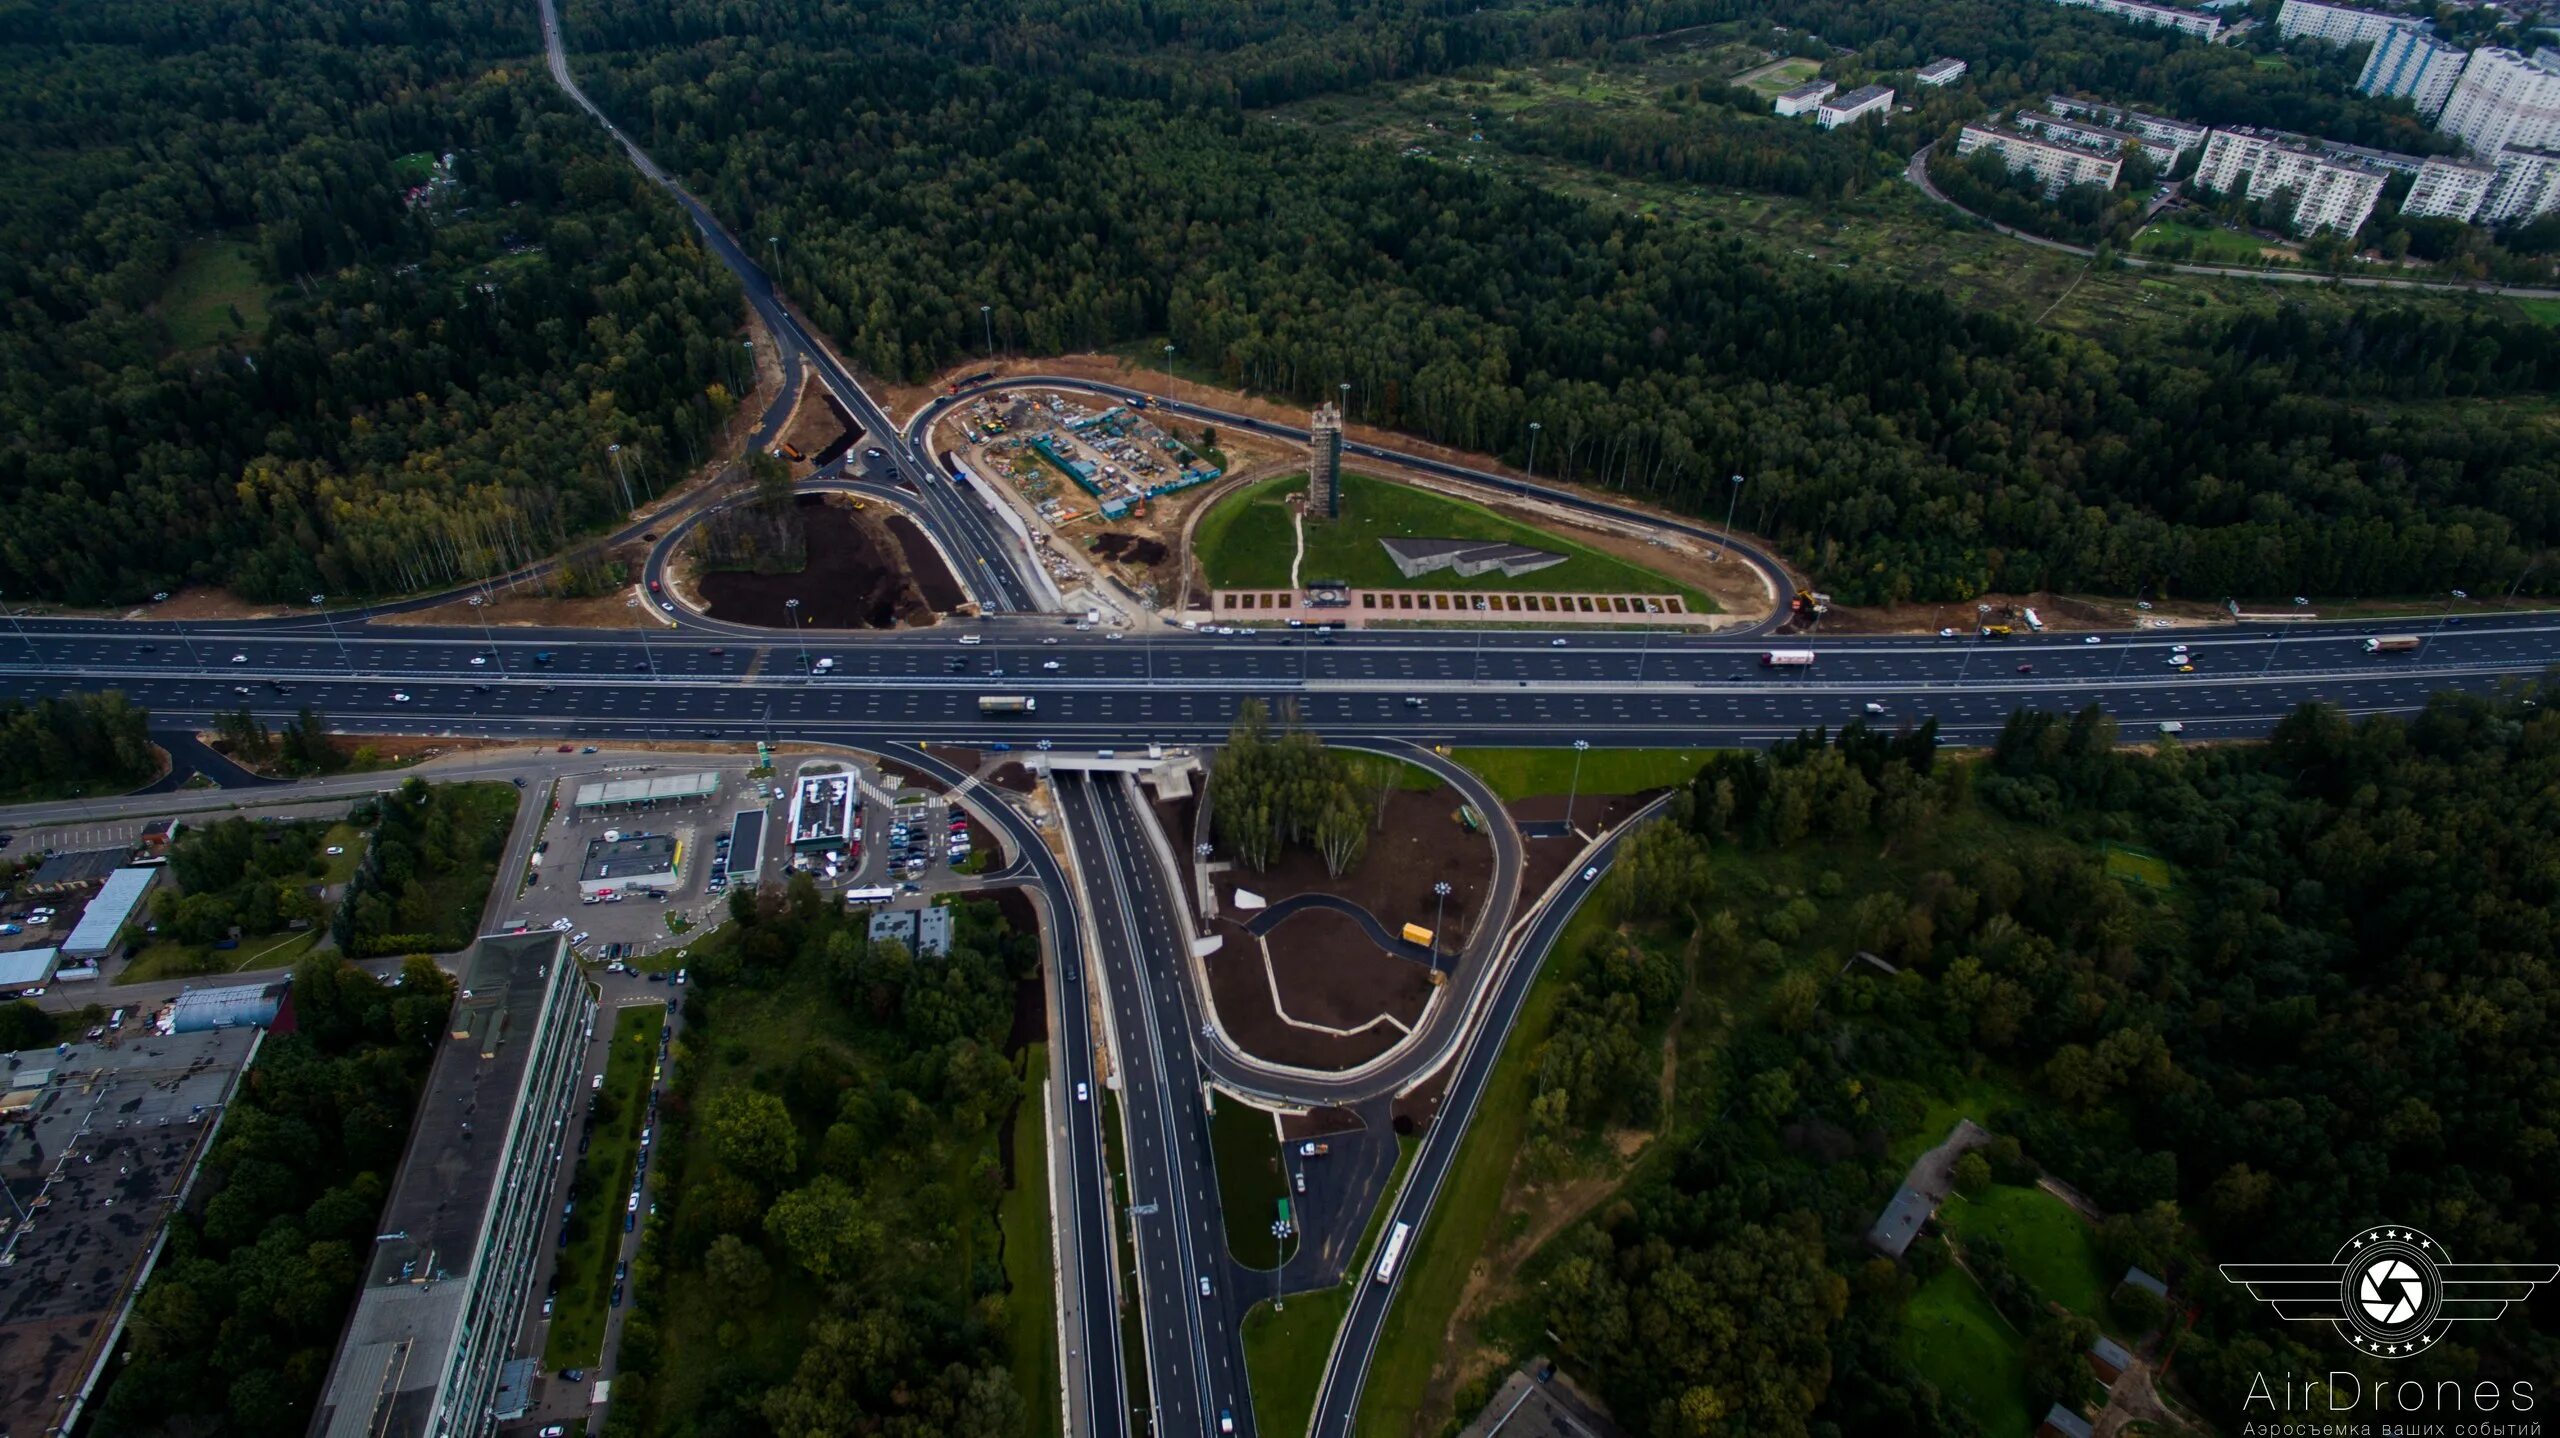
(2445, 612)
(1439, 911)
(1574, 789)
(1727, 542)
(20, 626)
(1168, 365)
(987, 320)
(646, 656)
(1344, 389)
(616, 451)
(791, 608)
(1534, 427)
(479, 606)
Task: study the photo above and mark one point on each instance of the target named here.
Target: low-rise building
(2163, 137)
(2058, 164)
(2416, 65)
(1940, 72)
(2141, 12)
(102, 923)
(27, 968)
(225, 1006)
(825, 808)
(620, 863)
(2339, 24)
(614, 794)
(1801, 99)
(2330, 192)
(2449, 187)
(1858, 104)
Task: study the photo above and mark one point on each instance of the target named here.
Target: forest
(302, 298)
(830, 1260)
(425, 878)
(1899, 445)
(234, 1331)
(1274, 790)
(232, 872)
(81, 743)
(2241, 999)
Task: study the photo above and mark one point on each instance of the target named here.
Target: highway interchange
(1116, 923)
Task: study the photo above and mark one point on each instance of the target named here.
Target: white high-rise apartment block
(2411, 63)
(2338, 24)
(2141, 12)
(2527, 187)
(2449, 188)
(2505, 99)
(2330, 192)
(2058, 164)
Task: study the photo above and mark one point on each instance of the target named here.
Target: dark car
(2026, 669)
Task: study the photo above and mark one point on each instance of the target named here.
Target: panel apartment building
(2414, 64)
(2059, 163)
(2504, 99)
(2331, 192)
(2168, 140)
(2340, 25)
(2141, 12)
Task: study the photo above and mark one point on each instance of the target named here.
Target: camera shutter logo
(2390, 1290)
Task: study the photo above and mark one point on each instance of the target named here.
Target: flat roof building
(898, 924)
(2416, 65)
(646, 793)
(77, 867)
(746, 846)
(471, 1210)
(2330, 192)
(628, 861)
(925, 932)
(2340, 25)
(94, 937)
(1802, 99)
(2159, 134)
(823, 810)
(228, 1006)
(1940, 72)
(104, 1142)
(2059, 165)
(2504, 99)
(2141, 12)
(2450, 188)
(25, 968)
(1858, 104)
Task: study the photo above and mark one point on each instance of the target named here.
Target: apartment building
(2504, 99)
(2339, 24)
(1940, 72)
(1803, 98)
(1858, 104)
(2413, 64)
(2449, 187)
(2141, 12)
(2526, 187)
(2165, 138)
(2331, 192)
(2058, 163)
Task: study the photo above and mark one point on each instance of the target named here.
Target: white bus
(1393, 1253)
(869, 896)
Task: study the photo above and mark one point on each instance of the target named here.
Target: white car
(2093, 639)
(1052, 639)
(1204, 1285)
(663, 604)
(1051, 666)
(1946, 634)
(1591, 873)
(1874, 708)
(239, 658)
(1113, 636)
(336, 849)
(399, 697)
(1081, 1094)
(971, 639)
(479, 659)
(1555, 643)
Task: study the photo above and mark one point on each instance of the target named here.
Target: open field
(604, 1178)
(1285, 1348)
(1247, 540)
(2202, 242)
(1519, 773)
(1246, 1146)
(1779, 75)
(214, 294)
(1959, 1342)
(1031, 1298)
(2044, 1241)
(171, 960)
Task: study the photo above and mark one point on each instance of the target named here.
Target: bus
(869, 896)
(1007, 704)
(1392, 1253)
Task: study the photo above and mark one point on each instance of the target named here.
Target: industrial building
(621, 863)
(2340, 25)
(229, 1006)
(645, 793)
(2140, 12)
(926, 933)
(1324, 462)
(1466, 557)
(1802, 99)
(2504, 99)
(1858, 104)
(2414, 64)
(2163, 137)
(824, 810)
(471, 1209)
(94, 937)
(1940, 72)
(27, 968)
(103, 1141)
(746, 846)
(74, 869)
(2058, 164)
(2330, 192)
(2449, 188)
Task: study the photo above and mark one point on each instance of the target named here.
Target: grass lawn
(1251, 1181)
(1285, 1348)
(1250, 547)
(2137, 867)
(341, 867)
(2539, 311)
(2044, 1240)
(1977, 1099)
(1410, 1343)
(1031, 1300)
(1951, 1333)
(213, 282)
(171, 960)
(602, 1185)
(1782, 75)
(2210, 243)
(1519, 773)
(1133, 1346)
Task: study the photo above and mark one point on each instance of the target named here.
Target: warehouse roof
(27, 966)
(106, 914)
(664, 789)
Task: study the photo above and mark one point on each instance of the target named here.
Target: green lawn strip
(1031, 1302)
(1977, 1099)
(1779, 76)
(1413, 1338)
(1957, 1341)
(1133, 1345)
(2212, 244)
(169, 959)
(2048, 1244)
(1285, 1348)
(338, 868)
(214, 294)
(2545, 312)
(1251, 1180)
(1246, 542)
(604, 1180)
(1519, 773)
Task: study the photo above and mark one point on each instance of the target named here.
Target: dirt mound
(1133, 549)
(856, 577)
(924, 563)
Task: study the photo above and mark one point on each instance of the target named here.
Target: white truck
(1787, 659)
(2392, 644)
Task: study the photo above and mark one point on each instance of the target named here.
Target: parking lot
(631, 878)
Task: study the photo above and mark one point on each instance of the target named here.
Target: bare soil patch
(2063, 613)
(1130, 549)
(818, 428)
(925, 566)
(857, 578)
(1353, 984)
(1318, 1123)
(1542, 859)
(522, 608)
(1242, 992)
(1013, 776)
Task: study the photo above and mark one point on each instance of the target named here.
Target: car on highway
(2026, 669)
(2186, 669)
(1226, 1416)
(1082, 1095)
(1591, 873)
(239, 688)
(2092, 639)
(1946, 634)
(479, 659)
(239, 658)
(1052, 639)
(1555, 643)
(662, 604)
(1204, 1285)
(399, 696)
(1051, 666)
(1113, 636)
(1874, 708)
(972, 639)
